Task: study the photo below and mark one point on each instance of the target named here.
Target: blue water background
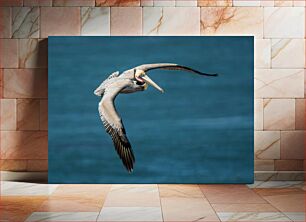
(199, 131)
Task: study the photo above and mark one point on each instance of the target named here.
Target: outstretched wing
(113, 124)
(171, 66)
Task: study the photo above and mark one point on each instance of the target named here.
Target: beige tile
(8, 114)
(33, 53)
(264, 165)
(292, 144)
(186, 3)
(27, 114)
(37, 2)
(52, 16)
(187, 209)
(248, 3)
(263, 207)
(5, 22)
(267, 3)
(263, 53)
(267, 145)
(25, 83)
(25, 22)
(177, 190)
(133, 196)
(95, 21)
(232, 21)
(43, 114)
(37, 165)
(279, 114)
(289, 165)
(92, 191)
(299, 3)
(300, 114)
(171, 21)
(4, 3)
(126, 21)
(73, 2)
(8, 53)
(24, 145)
(305, 83)
(163, 3)
(1, 83)
(220, 3)
(230, 194)
(279, 83)
(253, 216)
(284, 3)
(125, 3)
(146, 2)
(258, 115)
(278, 19)
(13, 165)
(130, 214)
(283, 49)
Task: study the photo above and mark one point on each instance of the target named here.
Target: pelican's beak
(152, 83)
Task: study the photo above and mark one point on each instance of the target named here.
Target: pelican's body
(129, 81)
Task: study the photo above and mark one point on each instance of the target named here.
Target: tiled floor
(261, 201)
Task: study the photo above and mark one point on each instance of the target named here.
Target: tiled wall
(278, 26)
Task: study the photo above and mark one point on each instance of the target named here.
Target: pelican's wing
(113, 124)
(171, 66)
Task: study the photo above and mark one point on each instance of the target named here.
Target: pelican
(129, 81)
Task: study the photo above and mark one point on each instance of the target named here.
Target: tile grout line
(161, 208)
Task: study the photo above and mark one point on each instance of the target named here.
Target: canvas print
(151, 109)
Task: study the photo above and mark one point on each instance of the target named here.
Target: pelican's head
(142, 77)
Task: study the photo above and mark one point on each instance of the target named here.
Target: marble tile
(264, 165)
(126, 21)
(230, 194)
(73, 2)
(8, 53)
(8, 114)
(279, 114)
(37, 2)
(133, 196)
(267, 145)
(285, 200)
(248, 3)
(27, 114)
(25, 83)
(278, 19)
(279, 175)
(13, 165)
(171, 21)
(52, 16)
(220, 3)
(267, 3)
(258, 114)
(277, 184)
(305, 83)
(300, 114)
(163, 3)
(253, 216)
(37, 165)
(282, 49)
(124, 3)
(25, 22)
(232, 21)
(289, 165)
(186, 3)
(263, 207)
(130, 214)
(279, 83)
(5, 3)
(33, 53)
(26, 189)
(5, 22)
(177, 190)
(18, 208)
(43, 114)
(284, 3)
(295, 216)
(187, 209)
(1, 85)
(299, 3)
(146, 2)
(95, 21)
(292, 145)
(63, 216)
(24, 144)
(263, 53)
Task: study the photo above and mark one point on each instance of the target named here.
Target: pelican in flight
(129, 81)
